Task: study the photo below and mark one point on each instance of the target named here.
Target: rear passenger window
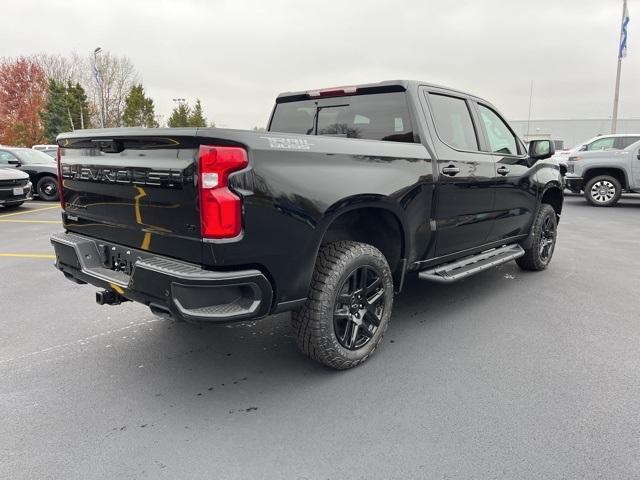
(626, 141)
(453, 122)
(501, 140)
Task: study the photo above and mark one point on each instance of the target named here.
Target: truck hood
(12, 174)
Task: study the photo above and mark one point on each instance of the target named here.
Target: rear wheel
(349, 305)
(603, 191)
(544, 229)
(47, 188)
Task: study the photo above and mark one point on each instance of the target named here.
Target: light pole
(96, 72)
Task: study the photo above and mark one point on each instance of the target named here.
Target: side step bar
(450, 272)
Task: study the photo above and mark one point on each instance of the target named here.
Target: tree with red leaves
(23, 90)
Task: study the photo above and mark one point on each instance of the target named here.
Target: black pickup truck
(324, 215)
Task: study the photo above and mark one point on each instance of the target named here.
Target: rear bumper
(182, 290)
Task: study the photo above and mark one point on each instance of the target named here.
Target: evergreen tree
(77, 106)
(180, 116)
(55, 118)
(139, 110)
(196, 119)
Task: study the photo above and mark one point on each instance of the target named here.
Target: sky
(236, 56)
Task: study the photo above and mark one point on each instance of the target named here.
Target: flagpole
(616, 96)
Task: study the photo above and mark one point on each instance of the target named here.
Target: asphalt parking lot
(508, 374)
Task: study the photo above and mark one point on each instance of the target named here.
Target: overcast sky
(237, 56)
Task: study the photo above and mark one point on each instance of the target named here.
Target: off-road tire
(532, 258)
(607, 180)
(313, 323)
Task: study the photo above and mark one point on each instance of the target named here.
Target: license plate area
(18, 191)
(118, 259)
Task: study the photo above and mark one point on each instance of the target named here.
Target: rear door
(466, 175)
(515, 193)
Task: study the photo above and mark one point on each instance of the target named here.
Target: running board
(451, 272)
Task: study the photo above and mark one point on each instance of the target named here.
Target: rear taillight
(220, 208)
(60, 190)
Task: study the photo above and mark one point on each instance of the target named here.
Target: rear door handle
(503, 170)
(451, 170)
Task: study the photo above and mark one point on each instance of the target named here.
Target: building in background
(570, 132)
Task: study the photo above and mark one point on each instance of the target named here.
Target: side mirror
(541, 149)
(13, 162)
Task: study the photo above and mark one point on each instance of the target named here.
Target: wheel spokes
(359, 307)
(375, 299)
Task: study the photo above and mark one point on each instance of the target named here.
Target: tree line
(47, 94)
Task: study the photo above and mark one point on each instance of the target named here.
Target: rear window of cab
(379, 116)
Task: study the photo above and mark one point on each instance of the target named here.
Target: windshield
(29, 156)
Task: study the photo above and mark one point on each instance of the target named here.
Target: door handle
(503, 170)
(451, 170)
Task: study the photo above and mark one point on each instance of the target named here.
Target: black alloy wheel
(548, 240)
(359, 307)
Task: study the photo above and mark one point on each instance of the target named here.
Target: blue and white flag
(623, 33)
(96, 73)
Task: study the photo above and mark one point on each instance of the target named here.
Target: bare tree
(117, 76)
(62, 68)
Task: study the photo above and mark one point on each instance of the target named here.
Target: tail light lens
(60, 190)
(220, 208)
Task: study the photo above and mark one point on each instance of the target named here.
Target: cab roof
(365, 88)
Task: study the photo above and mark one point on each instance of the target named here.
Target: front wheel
(47, 188)
(544, 229)
(603, 191)
(349, 305)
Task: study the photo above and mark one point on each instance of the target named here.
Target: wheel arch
(552, 195)
(38, 175)
(616, 172)
(372, 219)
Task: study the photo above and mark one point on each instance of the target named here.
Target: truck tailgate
(136, 191)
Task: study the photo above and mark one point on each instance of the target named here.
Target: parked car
(51, 152)
(15, 187)
(600, 142)
(41, 148)
(41, 168)
(350, 190)
(605, 175)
